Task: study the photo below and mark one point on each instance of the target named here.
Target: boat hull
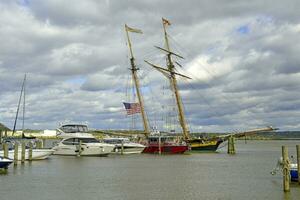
(128, 150)
(166, 149)
(86, 150)
(294, 172)
(37, 154)
(4, 162)
(199, 145)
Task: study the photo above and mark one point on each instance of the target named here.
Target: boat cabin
(75, 141)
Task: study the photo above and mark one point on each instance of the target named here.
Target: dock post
(79, 148)
(285, 169)
(43, 143)
(23, 153)
(16, 152)
(159, 145)
(38, 144)
(298, 161)
(5, 150)
(30, 151)
(231, 145)
(122, 147)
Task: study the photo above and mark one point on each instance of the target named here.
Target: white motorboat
(72, 135)
(128, 146)
(90, 146)
(37, 154)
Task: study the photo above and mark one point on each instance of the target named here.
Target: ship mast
(173, 81)
(19, 103)
(134, 70)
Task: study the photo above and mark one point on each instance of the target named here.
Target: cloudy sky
(243, 58)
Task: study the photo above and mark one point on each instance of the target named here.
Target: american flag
(132, 108)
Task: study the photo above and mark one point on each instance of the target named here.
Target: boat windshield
(163, 139)
(116, 140)
(74, 128)
(75, 141)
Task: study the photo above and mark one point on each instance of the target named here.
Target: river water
(245, 175)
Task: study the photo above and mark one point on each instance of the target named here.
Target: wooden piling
(79, 148)
(5, 150)
(30, 151)
(38, 144)
(23, 153)
(159, 145)
(16, 153)
(0, 137)
(298, 161)
(122, 147)
(286, 169)
(231, 145)
(43, 143)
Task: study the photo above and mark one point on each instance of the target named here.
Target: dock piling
(23, 153)
(79, 148)
(122, 147)
(43, 143)
(159, 145)
(231, 145)
(38, 144)
(5, 150)
(298, 161)
(285, 169)
(16, 152)
(30, 151)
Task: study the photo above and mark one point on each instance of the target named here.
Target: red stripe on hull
(166, 149)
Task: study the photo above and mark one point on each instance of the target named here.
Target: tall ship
(155, 143)
(196, 144)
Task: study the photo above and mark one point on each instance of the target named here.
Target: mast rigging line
(154, 96)
(224, 98)
(213, 77)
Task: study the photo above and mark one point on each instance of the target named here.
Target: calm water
(245, 175)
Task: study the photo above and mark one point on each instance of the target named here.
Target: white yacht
(128, 146)
(72, 135)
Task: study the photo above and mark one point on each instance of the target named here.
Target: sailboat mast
(24, 104)
(136, 82)
(174, 86)
(16, 119)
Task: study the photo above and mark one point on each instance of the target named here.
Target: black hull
(204, 146)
